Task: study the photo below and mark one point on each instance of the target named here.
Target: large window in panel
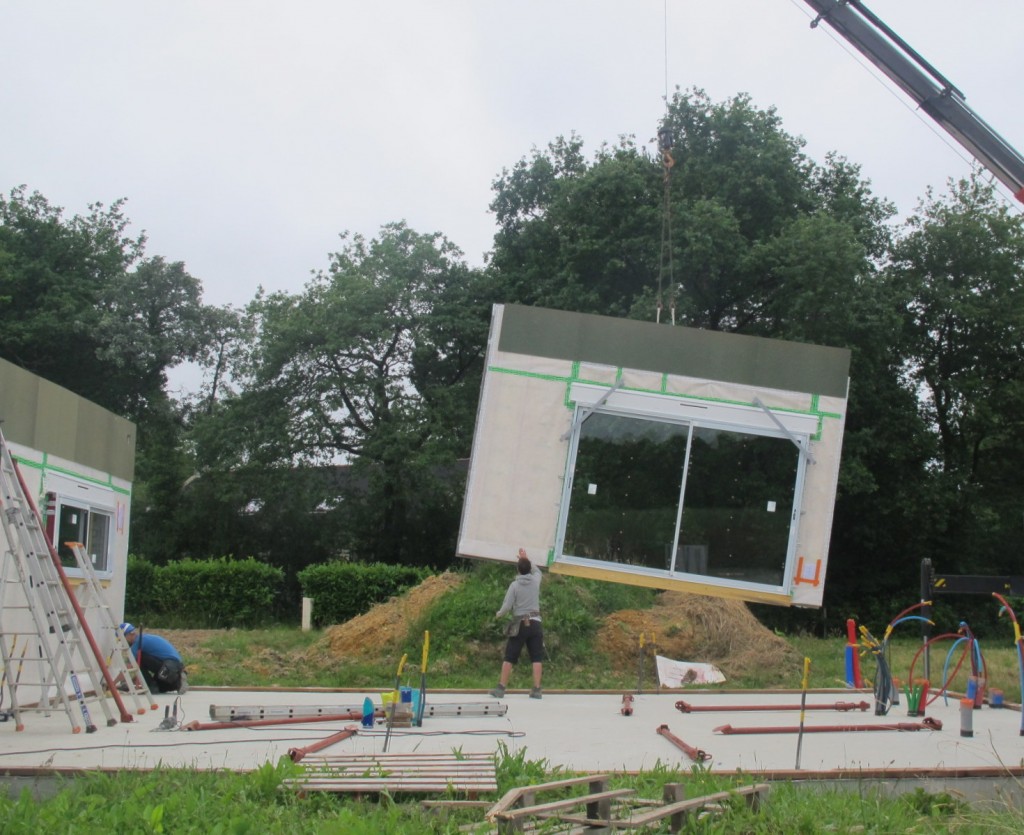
(738, 506)
(624, 499)
(682, 498)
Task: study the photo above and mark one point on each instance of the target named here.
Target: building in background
(78, 461)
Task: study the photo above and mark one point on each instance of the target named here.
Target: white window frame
(755, 419)
(86, 504)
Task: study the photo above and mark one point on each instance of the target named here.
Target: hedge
(216, 593)
(344, 590)
(224, 592)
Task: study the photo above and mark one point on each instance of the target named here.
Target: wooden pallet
(469, 774)
(604, 810)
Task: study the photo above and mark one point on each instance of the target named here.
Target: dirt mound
(681, 626)
(684, 627)
(692, 627)
(385, 624)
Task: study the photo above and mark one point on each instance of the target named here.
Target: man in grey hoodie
(522, 601)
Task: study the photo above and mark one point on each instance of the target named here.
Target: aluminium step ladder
(121, 663)
(50, 657)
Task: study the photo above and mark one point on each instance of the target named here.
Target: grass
(466, 646)
(279, 656)
(465, 653)
(183, 801)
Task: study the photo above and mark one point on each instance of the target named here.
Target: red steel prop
(685, 707)
(297, 754)
(695, 754)
(627, 704)
(259, 723)
(928, 724)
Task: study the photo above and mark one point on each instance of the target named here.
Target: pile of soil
(697, 628)
(385, 625)
(680, 626)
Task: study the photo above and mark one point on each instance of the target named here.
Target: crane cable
(667, 161)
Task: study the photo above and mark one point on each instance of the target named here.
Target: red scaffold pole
(927, 724)
(843, 707)
(297, 754)
(695, 754)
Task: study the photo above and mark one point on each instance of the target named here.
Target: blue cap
(126, 628)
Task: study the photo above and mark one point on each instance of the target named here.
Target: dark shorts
(162, 676)
(530, 636)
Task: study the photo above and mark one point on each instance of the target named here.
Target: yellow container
(388, 696)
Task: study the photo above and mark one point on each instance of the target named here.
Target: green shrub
(222, 592)
(217, 593)
(343, 590)
(140, 580)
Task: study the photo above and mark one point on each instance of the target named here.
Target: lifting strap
(665, 267)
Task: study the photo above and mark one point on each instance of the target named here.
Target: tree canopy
(335, 421)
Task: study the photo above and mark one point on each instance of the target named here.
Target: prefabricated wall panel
(69, 448)
(543, 364)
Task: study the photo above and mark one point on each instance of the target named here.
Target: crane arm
(925, 85)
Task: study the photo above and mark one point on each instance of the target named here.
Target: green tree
(961, 261)
(375, 365)
(764, 241)
(574, 235)
(149, 320)
(85, 309)
(54, 275)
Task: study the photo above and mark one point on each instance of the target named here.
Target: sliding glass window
(682, 498)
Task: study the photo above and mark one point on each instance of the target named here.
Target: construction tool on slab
(886, 693)
(803, 709)
(1018, 642)
(245, 713)
(917, 696)
(394, 702)
(853, 676)
(466, 709)
(695, 754)
(234, 713)
(842, 707)
(418, 719)
(627, 704)
(296, 754)
(926, 724)
(170, 720)
(196, 725)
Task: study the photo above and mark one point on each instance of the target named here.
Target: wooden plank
(392, 759)
(455, 804)
(401, 768)
(368, 786)
(471, 773)
(565, 803)
(512, 796)
(690, 805)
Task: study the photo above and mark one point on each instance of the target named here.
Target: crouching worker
(159, 661)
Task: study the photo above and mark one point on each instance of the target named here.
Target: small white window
(88, 525)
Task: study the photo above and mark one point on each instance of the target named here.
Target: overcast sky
(247, 134)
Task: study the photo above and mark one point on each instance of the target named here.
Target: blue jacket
(153, 646)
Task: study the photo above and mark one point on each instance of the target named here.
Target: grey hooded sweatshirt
(523, 596)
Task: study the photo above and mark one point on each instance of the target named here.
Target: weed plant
(229, 803)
